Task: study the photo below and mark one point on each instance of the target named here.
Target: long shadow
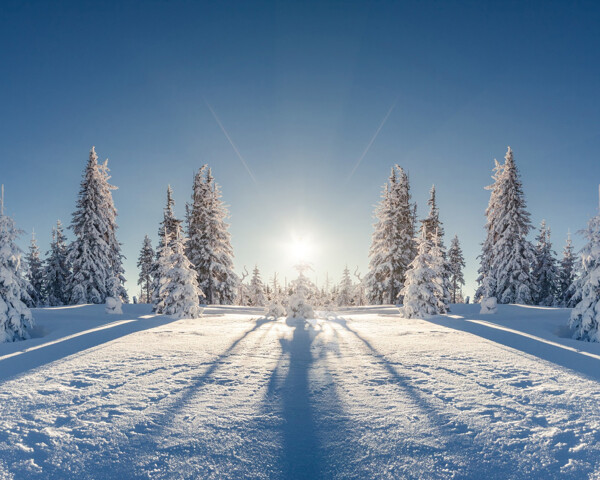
(150, 440)
(469, 465)
(24, 361)
(564, 356)
(302, 456)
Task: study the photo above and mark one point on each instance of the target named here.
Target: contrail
(373, 138)
(237, 152)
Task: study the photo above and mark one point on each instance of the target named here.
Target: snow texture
(360, 394)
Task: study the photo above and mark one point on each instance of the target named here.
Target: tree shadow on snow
(35, 356)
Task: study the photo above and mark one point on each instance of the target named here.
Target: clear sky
(301, 88)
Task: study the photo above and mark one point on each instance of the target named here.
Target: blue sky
(301, 88)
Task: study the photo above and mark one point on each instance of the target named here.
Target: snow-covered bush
(299, 308)
(114, 305)
(275, 310)
(489, 305)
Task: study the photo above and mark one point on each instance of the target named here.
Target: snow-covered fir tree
(456, 263)
(95, 255)
(15, 316)
(345, 293)
(209, 247)
(146, 265)
(423, 289)
(300, 302)
(507, 255)
(178, 290)
(169, 224)
(567, 275)
(35, 275)
(585, 317)
(57, 269)
(392, 246)
(545, 270)
(257, 290)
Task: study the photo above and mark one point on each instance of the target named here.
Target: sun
(301, 249)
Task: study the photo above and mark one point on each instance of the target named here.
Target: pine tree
(345, 294)
(545, 271)
(423, 290)
(209, 247)
(456, 263)
(57, 269)
(35, 275)
(15, 316)
(392, 247)
(169, 224)
(257, 290)
(585, 317)
(567, 276)
(95, 254)
(507, 255)
(146, 265)
(178, 290)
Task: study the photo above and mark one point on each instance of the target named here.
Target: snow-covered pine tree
(178, 289)
(507, 255)
(485, 279)
(57, 269)
(35, 275)
(545, 270)
(15, 316)
(257, 289)
(169, 224)
(433, 227)
(392, 246)
(345, 294)
(209, 247)
(146, 265)
(585, 317)
(160, 273)
(423, 290)
(456, 263)
(95, 255)
(567, 275)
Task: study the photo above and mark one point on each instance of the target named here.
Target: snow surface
(361, 393)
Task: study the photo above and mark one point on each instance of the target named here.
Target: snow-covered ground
(360, 393)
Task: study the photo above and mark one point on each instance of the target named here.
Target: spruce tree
(209, 247)
(585, 317)
(146, 265)
(545, 271)
(57, 269)
(345, 293)
(257, 290)
(169, 224)
(15, 316)
(456, 263)
(423, 290)
(95, 255)
(567, 275)
(507, 255)
(35, 275)
(392, 247)
(178, 290)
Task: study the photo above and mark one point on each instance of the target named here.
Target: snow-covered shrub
(114, 305)
(489, 305)
(299, 308)
(275, 310)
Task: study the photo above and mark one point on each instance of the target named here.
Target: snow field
(359, 393)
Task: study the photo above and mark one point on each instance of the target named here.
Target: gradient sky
(301, 88)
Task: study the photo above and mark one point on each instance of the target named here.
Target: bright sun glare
(301, 249)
